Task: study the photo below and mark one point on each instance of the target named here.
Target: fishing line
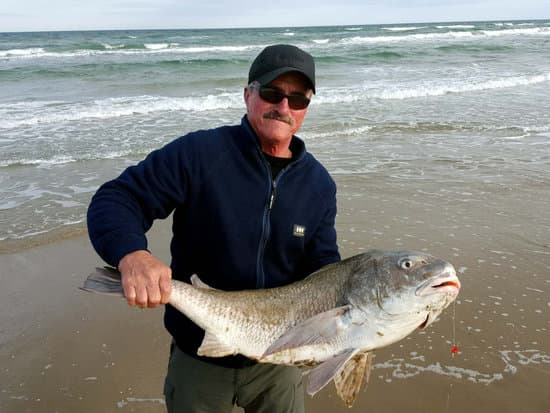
(454, 349)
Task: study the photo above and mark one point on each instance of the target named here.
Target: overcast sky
(29, 15)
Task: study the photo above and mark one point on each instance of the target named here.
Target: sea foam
(112, 108)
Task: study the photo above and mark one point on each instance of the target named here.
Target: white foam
(33, 51)
(359, 131)
(160, 46)
(457, 26)
(403, 28)
(427, 89)
(507, 32)
(358, 40)
(148, 48)
(127, 400)
(464, 86)
(56, 160)
(63, 159)
(512, 359)
(449, 35)
(113, 47)
(33, 113)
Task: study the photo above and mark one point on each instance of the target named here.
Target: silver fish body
(331, 320)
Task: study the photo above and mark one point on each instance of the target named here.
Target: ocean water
(459, 105)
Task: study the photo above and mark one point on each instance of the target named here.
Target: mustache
(274, 114)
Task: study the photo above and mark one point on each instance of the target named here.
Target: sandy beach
(62, 350)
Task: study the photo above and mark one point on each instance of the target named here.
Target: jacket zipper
(266, 225)
(266, 228)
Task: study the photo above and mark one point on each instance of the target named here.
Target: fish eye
(405, 263)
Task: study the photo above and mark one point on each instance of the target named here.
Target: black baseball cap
(279, 59)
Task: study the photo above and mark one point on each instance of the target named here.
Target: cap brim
(274, 74)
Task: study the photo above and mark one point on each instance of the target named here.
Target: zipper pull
(272, 199)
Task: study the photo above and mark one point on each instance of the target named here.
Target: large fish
(331, 320)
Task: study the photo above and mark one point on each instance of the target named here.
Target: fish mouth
(446, 283)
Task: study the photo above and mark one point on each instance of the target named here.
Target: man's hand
(145, 279)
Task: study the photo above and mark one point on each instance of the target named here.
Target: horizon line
(270, 27)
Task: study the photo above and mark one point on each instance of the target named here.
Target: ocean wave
(457, 26)
(160, 46)
(544, 31)
(396, 34)
(462, 87)
(389, 92)
(56, 160)
(357, 40)
(106, 49)
(32, 51)
(108, 46)
(29, 113)
(404, 28)
(32, 113)
(358, 131)
(64, 159)
(503, 24)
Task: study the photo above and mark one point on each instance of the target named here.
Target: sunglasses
(296, 101)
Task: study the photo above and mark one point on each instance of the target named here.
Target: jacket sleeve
(123, 210)
(323, 248)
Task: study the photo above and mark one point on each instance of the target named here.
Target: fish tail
(105, 280)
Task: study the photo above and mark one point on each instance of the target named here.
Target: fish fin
(351, 377)
(321, 375)
(211, 346)
(104, 280)
(197, 282)
(315, 330)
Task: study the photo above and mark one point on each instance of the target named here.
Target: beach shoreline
(15, 245)
(64, 350)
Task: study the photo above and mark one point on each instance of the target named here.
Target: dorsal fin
(197, 282)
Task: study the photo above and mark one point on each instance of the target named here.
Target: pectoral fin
(318, 329)
(350, 379)
(212, 347)
(321, 375)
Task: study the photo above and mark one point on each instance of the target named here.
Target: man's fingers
(130, 294)
(141, 296)
(153, 295)
(165, 289)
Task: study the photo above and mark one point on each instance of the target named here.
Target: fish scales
(253, 319)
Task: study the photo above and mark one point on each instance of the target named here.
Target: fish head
(402, 289)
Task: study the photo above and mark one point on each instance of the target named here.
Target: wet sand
(63, 350)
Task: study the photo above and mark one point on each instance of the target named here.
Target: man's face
(275, 123)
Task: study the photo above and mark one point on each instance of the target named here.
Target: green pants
(193, 386)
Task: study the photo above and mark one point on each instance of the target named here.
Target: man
(252, 209)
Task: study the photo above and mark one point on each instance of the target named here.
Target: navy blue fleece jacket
(233, 225)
